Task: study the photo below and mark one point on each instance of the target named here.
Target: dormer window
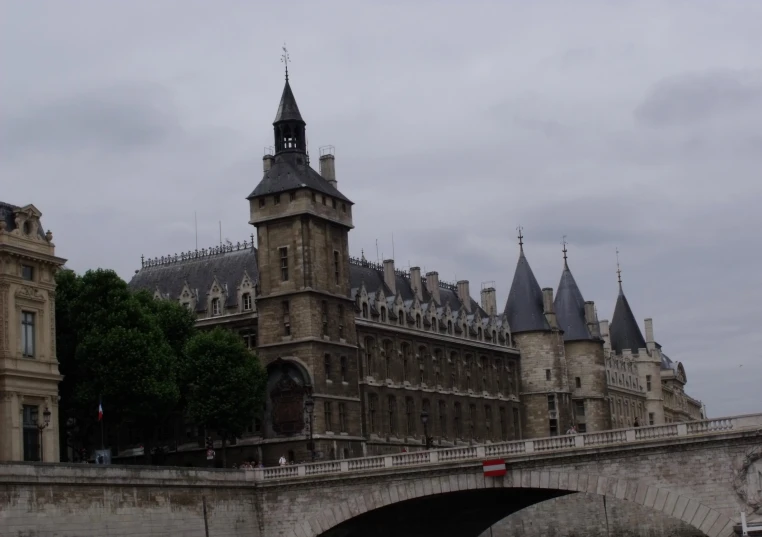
(27, 227)
(364, 311)
(383, 315)
(246, 301)
(418, 322)
(449, 327)
(215, 306)
(401, 317)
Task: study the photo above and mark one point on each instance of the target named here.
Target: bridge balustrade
(517, 448)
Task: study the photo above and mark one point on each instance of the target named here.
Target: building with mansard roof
(394, 359)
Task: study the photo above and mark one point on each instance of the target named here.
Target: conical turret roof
(570, 308)
(287, 109)
(625, 332)
(524, 309)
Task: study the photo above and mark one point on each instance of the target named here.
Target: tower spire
(563, 242)
(285, 59)
(618, 270)
(521, 239)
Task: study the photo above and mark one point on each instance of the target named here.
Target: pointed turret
(624, 332)
(524, 308)
(287, 109)
(570, 307)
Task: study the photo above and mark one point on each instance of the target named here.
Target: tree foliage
(225, 382)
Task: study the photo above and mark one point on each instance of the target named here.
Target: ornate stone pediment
(30, 293)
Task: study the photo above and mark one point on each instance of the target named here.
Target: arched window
(418, 320)
(479, 333)
(405, 361)
(388, 350)
(401, 317)
(449, 327)
(422, 364)
(383, 315)
(454, 370)
(494, 337)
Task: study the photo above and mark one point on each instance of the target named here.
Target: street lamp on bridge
(425, 421)
(41, 426)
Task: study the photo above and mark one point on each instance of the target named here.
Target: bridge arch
(526, 487)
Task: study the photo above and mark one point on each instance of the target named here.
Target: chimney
(547, 306)
(649, 330)
(328, 165)
(432, 284)
(464, 294)
(489, 301)
(415, 281)
(604, 326)
(267, 162)
(591, 318)
(389, 275)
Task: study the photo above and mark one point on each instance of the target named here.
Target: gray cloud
(693, 98)
(119, 118)
(122, 121)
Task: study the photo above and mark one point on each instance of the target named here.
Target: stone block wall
(586, 515)
(586, 362)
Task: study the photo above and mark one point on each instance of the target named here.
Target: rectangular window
(262, 202)
(292, 196)
(458, 421)
(215, 306)
(648, 383)
(328, 416)
(578, 382)
(333, 202)
(503, 424)
(31, 433)
(325, 318)
(342, 417)
(343, 361)
(336, 266)
(547, 374)
(341, 322)
(488, 421)
(27, 334)
(314, 197)
(283, 263)
(581, 428)
(410, 415)
(579, 409)
(472, 421)
(286, 318)
(27, 272)
(323, 200)
(372, 413)
(327, 364)
(553, 425)
(392, 410)
(344, 207)
(246, 301)
(551, 402)
(443, 419)
(651, 418)
(516, 424)
(276, 199)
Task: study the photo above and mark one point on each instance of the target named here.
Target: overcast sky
(629, 125)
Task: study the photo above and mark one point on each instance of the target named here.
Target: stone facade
(380, 350)
(29, 374)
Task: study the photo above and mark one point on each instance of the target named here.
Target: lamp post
(41, 426)
(309, 406)
(425, 421)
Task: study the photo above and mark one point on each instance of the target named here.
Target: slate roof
(624, 332)
(287, 109)
(524, 309)
(6, 215)
(199, 273)
(290, 171)
(570, 308)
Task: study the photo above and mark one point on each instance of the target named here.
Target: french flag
(100, 411)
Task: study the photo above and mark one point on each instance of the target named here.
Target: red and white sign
(494, 468)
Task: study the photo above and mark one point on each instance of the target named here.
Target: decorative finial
(285, 59)
(563, 242)
(521, 238)
(618, 270)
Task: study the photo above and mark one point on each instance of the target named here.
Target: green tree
(226, 384)
(123, 346)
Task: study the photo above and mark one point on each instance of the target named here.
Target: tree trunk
(224, 454)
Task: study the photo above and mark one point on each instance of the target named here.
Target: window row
(435, 369)
(292, 197)
(457, 421)
(625, 412)
(330, 371)
(217, 307)
(328, 415)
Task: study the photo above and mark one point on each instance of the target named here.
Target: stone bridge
(704, 473)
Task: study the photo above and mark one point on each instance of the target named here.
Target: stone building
(29, 374)
(396, 359)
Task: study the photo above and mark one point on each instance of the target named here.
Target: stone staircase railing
(505, 450)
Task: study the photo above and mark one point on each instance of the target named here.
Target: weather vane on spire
(563, 242)
(285, 59)
(521, 236)
(618, 270)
